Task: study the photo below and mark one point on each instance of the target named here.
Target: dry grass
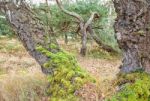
(22, 86)
(104, 72)
(103, 67)
(21, 78)
(10, 45)
(90, 92)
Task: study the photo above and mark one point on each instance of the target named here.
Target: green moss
(67, 75)
(53, 46)
(136, 87)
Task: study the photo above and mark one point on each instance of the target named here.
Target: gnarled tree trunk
(132, 29)
(29, 29)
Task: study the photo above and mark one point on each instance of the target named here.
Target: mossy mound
(67, 75)
(134, 87)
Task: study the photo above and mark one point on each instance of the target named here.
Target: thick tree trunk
(132, 29)
(29, 29)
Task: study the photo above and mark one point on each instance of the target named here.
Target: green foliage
(85, 8)
(136, 87)
(67, 75)
(59, 20)
(4, 27)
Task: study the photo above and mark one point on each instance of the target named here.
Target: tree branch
(98, 41)
(73, 14)
(93, 15)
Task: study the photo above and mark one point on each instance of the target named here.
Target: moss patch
(67, 75)
(135, 87)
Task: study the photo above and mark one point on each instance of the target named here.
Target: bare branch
(73, 14)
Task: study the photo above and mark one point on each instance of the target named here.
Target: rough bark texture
(29, 29)
(132, 28)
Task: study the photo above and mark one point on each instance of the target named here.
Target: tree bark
(29, 29)
(132, 27)
(84, 39)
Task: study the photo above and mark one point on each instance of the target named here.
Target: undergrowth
(10, 45)
(67, 76)
(102, 54)
(134, 87)
(23, 86)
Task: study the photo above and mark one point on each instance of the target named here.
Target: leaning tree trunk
(132, 29)
(29, 29)
(64, 74)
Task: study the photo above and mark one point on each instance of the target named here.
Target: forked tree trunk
(84, 27)
(132, 29)
(29, 29)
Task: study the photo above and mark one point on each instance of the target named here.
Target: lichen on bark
(132, 27)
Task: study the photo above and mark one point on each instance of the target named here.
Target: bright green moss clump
(67, 75)
(136, 88)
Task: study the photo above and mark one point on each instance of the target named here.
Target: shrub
(5, 29)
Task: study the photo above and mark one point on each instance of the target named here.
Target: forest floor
(18, 69)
